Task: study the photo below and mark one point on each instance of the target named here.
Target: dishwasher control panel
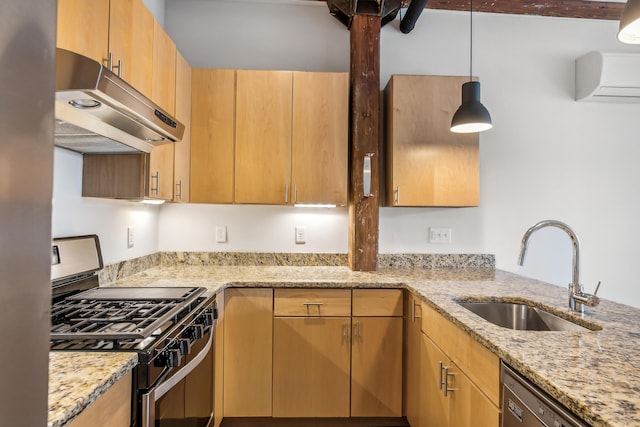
(524, 405)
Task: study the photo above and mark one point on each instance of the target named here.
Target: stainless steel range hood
(98, 112)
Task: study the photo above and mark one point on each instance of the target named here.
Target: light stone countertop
(595, 374)
(77, 379)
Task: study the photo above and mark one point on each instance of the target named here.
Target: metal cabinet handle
(157, 178)
(295, 194)
(346, 332)
(440, 378)
(110, 65)
(286, 193)
(356, 336)
(366, 175)
(414, 316)
(447, 374)
(179, 185)
(309, 304)
(397, 201)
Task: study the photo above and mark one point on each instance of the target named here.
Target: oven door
(185, 397)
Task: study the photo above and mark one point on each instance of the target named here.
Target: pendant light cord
(470, 40)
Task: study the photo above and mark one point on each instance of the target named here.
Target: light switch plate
(221, 234)
(440, 235)
(130, 236)
(301, 234)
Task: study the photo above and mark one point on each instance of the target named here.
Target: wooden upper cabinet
(120, 29)
(320, 138)
(212, 135)
(163, 93)
(83, 27)
(427, 164)
(163, 78)
(131, 42)
(263, 137)
(182, 149)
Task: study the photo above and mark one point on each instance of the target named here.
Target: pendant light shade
(471, 116)
(630, 23)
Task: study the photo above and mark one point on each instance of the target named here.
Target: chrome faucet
(577, 298)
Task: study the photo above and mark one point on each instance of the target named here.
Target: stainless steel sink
(521, 317)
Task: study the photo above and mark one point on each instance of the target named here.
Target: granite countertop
(77, 379)
(594, 373)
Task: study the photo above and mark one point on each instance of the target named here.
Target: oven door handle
(185, 370)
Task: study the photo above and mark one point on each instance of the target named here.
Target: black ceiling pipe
(413, 13)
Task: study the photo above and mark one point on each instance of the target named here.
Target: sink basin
(521, 317)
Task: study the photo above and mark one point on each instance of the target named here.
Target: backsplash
(111, 273)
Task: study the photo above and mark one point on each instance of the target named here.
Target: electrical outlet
(130, 239)
(440, 235)
(301, 234)
(221, 234)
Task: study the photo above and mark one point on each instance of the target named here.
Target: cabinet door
(112, 409)
(83, 27)
(413, 335)
(212, 135)
(468, 406)
(163, 78)
(376, 367)
(131, 42)
(182, 149)
(427, 164)
(163, 91)
(247, 351)
(311, 358)
(434, 406)
(263, 137)
(320, 137)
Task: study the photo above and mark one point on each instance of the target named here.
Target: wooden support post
(365, 118)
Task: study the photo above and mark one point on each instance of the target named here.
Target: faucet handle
(597, 288)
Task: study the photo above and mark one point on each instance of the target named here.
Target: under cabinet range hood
(98, 112)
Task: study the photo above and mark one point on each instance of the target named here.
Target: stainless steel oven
(172, 330)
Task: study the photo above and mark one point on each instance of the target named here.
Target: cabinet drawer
(312, 302)
(377, 302)
(478, 362)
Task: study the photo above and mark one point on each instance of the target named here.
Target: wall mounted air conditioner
(608, 77)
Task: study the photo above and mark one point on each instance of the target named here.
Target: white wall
(547, 156)
(74, 215)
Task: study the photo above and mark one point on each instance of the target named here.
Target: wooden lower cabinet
(337, 353)
(412, 343)
(112, 409)
(311, 364)
(376, 367)
(464, 404)
(472, 397)
(247, 352)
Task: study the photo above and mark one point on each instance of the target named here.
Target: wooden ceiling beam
(558, 8)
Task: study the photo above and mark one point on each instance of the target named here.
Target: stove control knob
(170, 358)
(206, 318)
(193, 332)
(183, 345)
(198, 331)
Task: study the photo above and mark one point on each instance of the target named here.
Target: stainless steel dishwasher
(524, 405)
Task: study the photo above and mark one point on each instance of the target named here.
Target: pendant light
(471, 116)
(630, 23)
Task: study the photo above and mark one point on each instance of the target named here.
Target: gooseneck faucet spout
(577, 298)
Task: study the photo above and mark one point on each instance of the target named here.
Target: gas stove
(171, 329)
